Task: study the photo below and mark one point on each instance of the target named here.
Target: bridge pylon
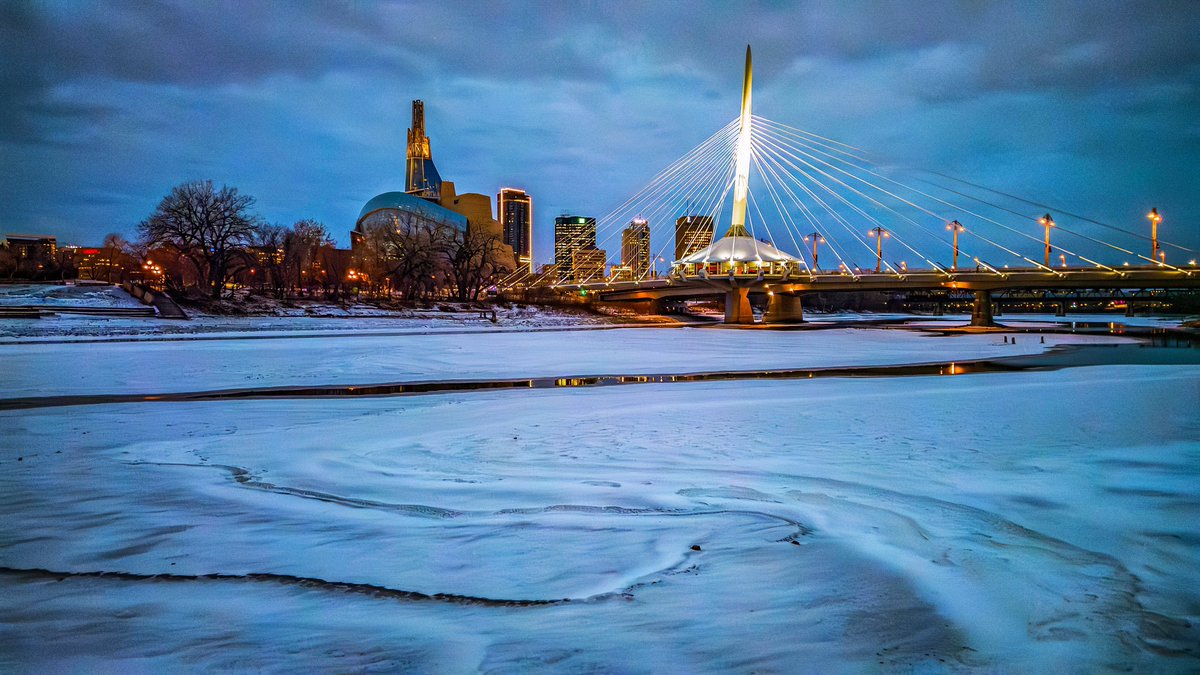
(784, 308)
(981, 310)
(737, 306)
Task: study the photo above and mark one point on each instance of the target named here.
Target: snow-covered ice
(156, 367)
(1020, 521)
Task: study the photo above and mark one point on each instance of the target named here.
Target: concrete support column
(784, 309)
(981, 312)
(1128, 308)
(737, 306)
(939, 309)
(1061, 310)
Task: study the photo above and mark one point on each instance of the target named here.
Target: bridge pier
(737, 306)
(939, 309)
(1128, 308)
(784, 309)
(1061, 310)
(981, 311)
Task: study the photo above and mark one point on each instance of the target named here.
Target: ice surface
(155, 367)
(1026, 521)
(60, 295)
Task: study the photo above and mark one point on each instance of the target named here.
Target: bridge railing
(740, 269)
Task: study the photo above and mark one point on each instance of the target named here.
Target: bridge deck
(1062, 278)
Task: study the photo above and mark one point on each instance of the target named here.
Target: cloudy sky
(105, 105)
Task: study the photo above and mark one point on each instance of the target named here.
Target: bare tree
(209, 227)
(408, 251)
(116, 253)
(269, 255)
(474, 260)
(300, 247)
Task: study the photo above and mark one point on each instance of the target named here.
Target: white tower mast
(741, 180)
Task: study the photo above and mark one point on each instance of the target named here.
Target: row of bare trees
(206, 238)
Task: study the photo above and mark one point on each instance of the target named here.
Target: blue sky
(105, 105)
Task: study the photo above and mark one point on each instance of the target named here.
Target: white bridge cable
(1115, 228)
(667, 200)
(834, 245)
(652, 205)
(808, 136)
(818, 228)
(779, 141)
(668, 176)
(708, 184)
(1023, 216)
(1058, 226)
(969, 212)
(927, 211)
(773, 141)
(709, 208)
(775, 155)
(785, 216)
(705, 184)
(918, 207)
(681, 173)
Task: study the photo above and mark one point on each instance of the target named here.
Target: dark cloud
(104, 105)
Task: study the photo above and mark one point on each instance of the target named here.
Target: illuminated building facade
(32, 248)
(635, 248)
(572, 233)
(515, 210)
(428, 201)
(692, 233)
(421, 176)
(587, 264)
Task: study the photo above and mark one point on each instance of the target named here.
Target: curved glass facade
(402, 208)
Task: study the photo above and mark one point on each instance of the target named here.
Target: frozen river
(1032, 520)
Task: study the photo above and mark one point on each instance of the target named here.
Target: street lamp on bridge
(955, 227)
(880, 234)
(1155, 219)
(815, 238)
(1047, 222)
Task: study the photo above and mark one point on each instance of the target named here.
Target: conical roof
(737, 249)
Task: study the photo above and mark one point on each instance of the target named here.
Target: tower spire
(422, 178)
(741, 180)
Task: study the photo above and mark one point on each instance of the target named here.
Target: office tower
(515, 208)
(571, 233)
(692, 233)
(635, 248)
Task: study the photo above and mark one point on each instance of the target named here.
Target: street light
(1155, 219)
(1047, 222)
(955, 227)
(880, 234)
(1062, 259)
(816, 238)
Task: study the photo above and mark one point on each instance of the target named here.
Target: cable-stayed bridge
(804, 213)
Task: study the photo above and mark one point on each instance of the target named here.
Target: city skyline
(99, 125)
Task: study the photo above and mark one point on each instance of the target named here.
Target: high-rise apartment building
(515, 208)
(571, 233)
(692, 233)
(635, 248)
